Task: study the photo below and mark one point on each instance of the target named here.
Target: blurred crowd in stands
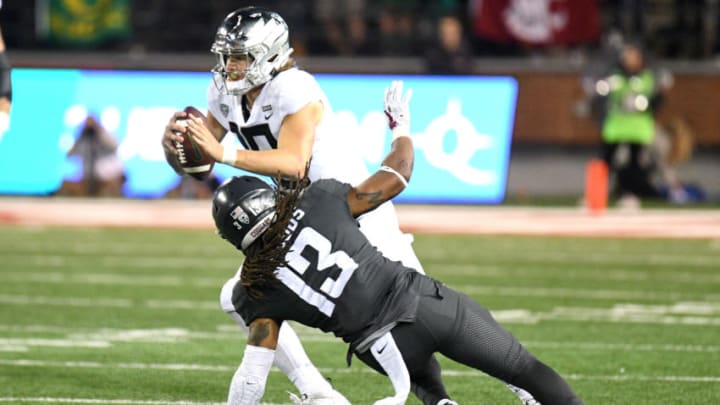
(668, 28)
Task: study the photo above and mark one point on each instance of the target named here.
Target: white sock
(291, 359)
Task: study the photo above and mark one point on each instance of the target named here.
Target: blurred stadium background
(104, 301)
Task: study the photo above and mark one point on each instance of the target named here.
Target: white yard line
(149, 261)
(364, 370)
(626, 347)
(99, 344)
(98, 401)
(481, 271)
(559, 292)
(51, 400)
(628, 296)
(103, 337)
(110, 278)
(65, 301)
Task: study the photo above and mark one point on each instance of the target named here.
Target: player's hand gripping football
(397, 108)
(173, 132)
(204, 138)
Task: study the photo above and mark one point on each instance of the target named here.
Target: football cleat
(319, 398)
(525, 397)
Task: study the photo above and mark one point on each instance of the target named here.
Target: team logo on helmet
(239, 215)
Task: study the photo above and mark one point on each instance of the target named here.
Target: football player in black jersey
(307, 261)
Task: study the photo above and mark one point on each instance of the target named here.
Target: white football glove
(397, 109)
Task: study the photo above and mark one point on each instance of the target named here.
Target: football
(193, 160)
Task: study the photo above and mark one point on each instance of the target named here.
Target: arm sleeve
(248, 383)
(387, 354)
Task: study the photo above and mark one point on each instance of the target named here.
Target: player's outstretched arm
(248, 383)
(394, 174)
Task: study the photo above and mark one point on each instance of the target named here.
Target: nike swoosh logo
(382, 349)
(268, 115)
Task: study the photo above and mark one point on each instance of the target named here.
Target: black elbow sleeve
(5, 84)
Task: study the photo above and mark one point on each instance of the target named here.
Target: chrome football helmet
(258, 35)
(243, 208)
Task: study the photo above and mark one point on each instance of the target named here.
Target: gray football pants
(451, 323)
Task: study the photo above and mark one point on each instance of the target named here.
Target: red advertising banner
(537, 22)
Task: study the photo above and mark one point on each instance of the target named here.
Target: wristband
(229, 156)
(400, 130)
(395, 172)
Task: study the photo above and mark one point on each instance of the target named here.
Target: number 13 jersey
(335, 279)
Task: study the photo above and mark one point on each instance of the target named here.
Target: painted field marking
(110, 279)
(156, 262)
(680, 313)
(18, 342)
(560, 292)
(65, 301)
(503, 272)
(224, 369)
(102, 338)
(102, 401)
(111, 401)
(482, 271)
(624, 295)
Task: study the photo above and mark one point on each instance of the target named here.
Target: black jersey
(335, 279)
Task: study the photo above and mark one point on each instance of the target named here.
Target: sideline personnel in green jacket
(631, 95)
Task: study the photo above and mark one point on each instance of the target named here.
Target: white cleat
(525, 397)
(319, 398)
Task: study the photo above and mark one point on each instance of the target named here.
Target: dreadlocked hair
(267, 253)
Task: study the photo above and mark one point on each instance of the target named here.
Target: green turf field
(107, 316)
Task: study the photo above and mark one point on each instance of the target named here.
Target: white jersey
(285, 94)
(333, 156)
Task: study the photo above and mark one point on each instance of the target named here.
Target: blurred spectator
(684, 36)
(672, 146)
(5, 87)
(191, 188)
(631, 95)
(343, 27)
(629, 17)
(396, 27)
(102, 169)
(450, 54)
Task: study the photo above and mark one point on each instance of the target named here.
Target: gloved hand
(397, 109)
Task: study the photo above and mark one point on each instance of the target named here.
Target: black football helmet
(243, 208)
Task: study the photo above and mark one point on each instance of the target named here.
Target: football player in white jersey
(282, 119)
